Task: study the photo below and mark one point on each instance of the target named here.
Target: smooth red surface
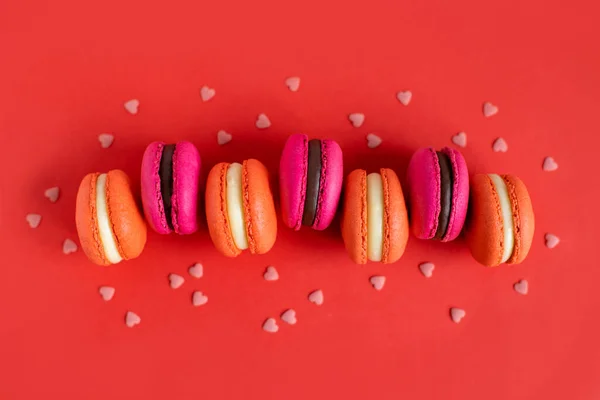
(67, 68)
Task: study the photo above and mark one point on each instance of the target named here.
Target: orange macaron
(109, 223)
(500, 221)
(374, 217)
(239, 208)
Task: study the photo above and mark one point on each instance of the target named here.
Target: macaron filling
(446, 183)
(107, 236)
(313, 178)
(506, 215)
(235, 205)
(375, 217)
(165, 173)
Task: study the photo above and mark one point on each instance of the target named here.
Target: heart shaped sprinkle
(316, 297)
(105, 139)
(132, 319)
(549, 164)
(357, 119)
(69, 246)
(271, 274)
(377, 281)
(52, 194)
(427, 269)
(499, 145)
(404, 97)
(223, 137)
(293, 83)
(207, 93)
(196, 270)
(522, 287)
(270, 325)
(489, 109)
(457, 314)
(373, 141)
(551, 240)
(199, 299)
(176, 281)
(263, 122)
(460, 139)
(132, 106)
(33, 220)
(106, 292)
(289, 316)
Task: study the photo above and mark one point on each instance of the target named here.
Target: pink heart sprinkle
(357, 119)
(489, 109)
(271, 274)
(106, 292)
(377, 281)
(289, 316)
(293, 83)
(316, 297)
(460, 139)
(549, 164)
(427, 269)
(551, 240)
(373, 141)
(196, 270)
(52, 194)
(207, 93)
(176, 281)
(223, 137)
(457, 314)
(404, 97)
(263, 122)
(500, 145)
(270, 325)
(69, 246)
(33, 220)
(105, 139)
(132, 106)
(132, 319)
(199, 299)
(522, 287)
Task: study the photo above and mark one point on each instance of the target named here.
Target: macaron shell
(86, 222)
(332, 176)
(186, 175)
(293, 179)
(523, 218)
(259, 209)
(395, 217)
(354, 216)
(216, 211)
(151, 195)
(460, 194)
(423, 179)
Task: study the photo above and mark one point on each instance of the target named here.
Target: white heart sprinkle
(270, 325)
(377, 281)
(132, 319)
(176, 281)
(357, 119)
(271, 274)
(289, 316)
(489, 109)
(522, 287)
(404, 97)
(69, 246)
(460, 139)
(52, 194)
(293, 83)
(316, 297)
(500, 145)
(33, 220)
(427, 269)
(132, 106)
(263, 122)
(207, 93)
(373, 141)
(551, 240)
(105, 139)
(199, 299)
(107, 292)
(457, 314)
(223, 137)
(196, 270)
(549, 164)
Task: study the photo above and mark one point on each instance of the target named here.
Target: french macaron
(500, 222)
(109, 223)
(311, 173)
(170, 179)
(239, 208)
(374, 218)
(438, 193)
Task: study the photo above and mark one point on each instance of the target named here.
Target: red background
(67, 68)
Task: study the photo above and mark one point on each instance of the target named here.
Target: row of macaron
(494, 210)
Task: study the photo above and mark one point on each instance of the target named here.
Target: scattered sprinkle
(293, 83)
(199, 299)
(132, 106)
(460, 139)
(289, 316)
(404, 97)
(549, 164)
(270, 325)
(263, 122)
(551, 240)
(357, 119)
(223, 137)
(196, 270)
(377, 281)
(52, 194)
(316, 297)
(373, 141)
(427, 269)
(107, 292)
(457, 314)
(33, 220)
(106, 140)
(207, 93)
(271, 274)
(69, 246)
(499, 145)
(176, 281)
(132, 319)
(489, 109)
(522, 287)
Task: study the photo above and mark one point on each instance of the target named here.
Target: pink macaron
(311, 173)
(438, 193)
(170, 179)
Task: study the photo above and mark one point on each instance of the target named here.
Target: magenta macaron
(170, 179)
(311, 173)
(438, 193)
